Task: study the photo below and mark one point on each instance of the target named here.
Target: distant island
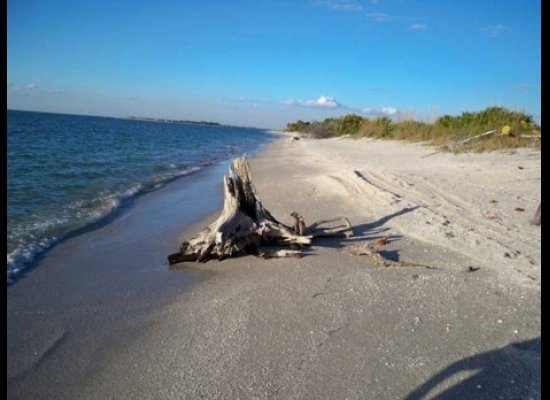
(172, 121)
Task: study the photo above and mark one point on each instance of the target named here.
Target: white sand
(331, 325)
(464, 202)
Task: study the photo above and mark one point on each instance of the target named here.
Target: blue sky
(266, 63)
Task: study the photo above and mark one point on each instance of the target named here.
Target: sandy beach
(327, 326)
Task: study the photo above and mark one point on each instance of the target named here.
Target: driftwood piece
(344, 228)
(244, 225)
(299, 224)
(454, 145)
(461, 142)
(279, 253)
(538, 137)
(536, 219)
(368, 250)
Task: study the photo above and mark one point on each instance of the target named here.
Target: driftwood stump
(244, 226)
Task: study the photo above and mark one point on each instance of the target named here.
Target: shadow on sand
(508, 373)
(365, 232)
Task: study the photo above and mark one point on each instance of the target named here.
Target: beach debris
(299, 224)
(368, 250)
(380, 242)
(535, 136)
(279, 253)
(472, 269)
(506, 130)
(431, 154)
(536, 219)
(454, 145)
(339, 226)
(245, 225)
(519, 209)
(493, 201)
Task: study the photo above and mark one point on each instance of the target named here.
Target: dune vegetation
(505, 129)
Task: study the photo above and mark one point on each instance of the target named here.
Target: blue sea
(66, 172)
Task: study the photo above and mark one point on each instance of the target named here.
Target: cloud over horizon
(382, 111)
(330, 103)
(324, 102)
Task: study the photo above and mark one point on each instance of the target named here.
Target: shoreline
(125, 203)
(329, 325)
(72, 296)
(27, 256)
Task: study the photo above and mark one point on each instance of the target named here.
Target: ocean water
(66, 172)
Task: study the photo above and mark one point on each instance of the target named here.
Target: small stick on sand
(368, 250)
(536, 219)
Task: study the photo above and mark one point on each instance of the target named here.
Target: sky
(266, 63)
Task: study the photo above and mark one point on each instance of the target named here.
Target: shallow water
(66, 172)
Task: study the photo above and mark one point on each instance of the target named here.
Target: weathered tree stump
(244, 226)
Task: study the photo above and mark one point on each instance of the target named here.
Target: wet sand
(329, 325)
(91, 293)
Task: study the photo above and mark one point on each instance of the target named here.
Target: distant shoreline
(171, 121)
(144, 119)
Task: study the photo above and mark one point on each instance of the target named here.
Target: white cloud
(341, 5)
(327, 102)
(419, 27)
(29, 86)
(382, 111)
(388, 110)
(380, 17)
(322, 102)
(494, 30)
